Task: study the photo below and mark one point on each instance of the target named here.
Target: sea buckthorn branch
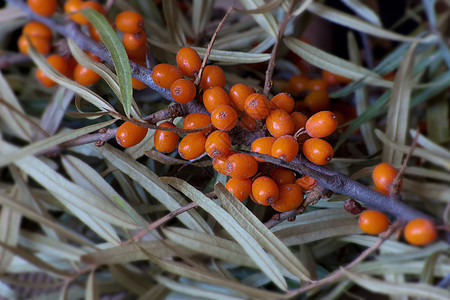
(9, 59)
(72, 30)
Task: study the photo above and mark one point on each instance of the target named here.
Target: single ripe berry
(224, 117)
(59, 63)
(85, 76)
(196, 120)
(282, 176)
(212, 76)
(307, 183)
(317, 84)
(220, 163)
(44, 8)
(183, 90)
(218, 144)
(129, 21)
(134, 41)
(420, 232)
(285, 147)
(130, 134)
(192, 146)
(264, 190)
(283, 101)
(290, 197)
(164, 75)
(42, 45)
(298, 83)
(280, 123)
(383, 175)
(321, 124)
(137, 84)
(317, 151)
(241, 165)
(238, 93)
(240, 188)
(247, 122)
(215, 96)
(188, 61)
(257, 106)
(37, 29)
(71, 8)
(263, 145)
(373, 222)
(317, 100)
(165, 141)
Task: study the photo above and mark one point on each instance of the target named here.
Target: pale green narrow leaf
(401, 289)
(398, 111)
(357, 24)
(363, 11)
(268, 7)
(299, 10)
(429, 144)
(201, 12)
(50, 142)
(208, 244)
(92, 292)
(261, 233)
(154, 186)
(126, 277)
(266, 21)
(118, 54)
(437, 111)
(172, 16)
(334, 64)
(9, 234)
(9, 117)
(427, 275)
(250, 245)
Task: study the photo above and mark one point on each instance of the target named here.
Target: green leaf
(266, 21)
(118, 54)
(363, 11)
(246, 219)
(92, 292)
(250, 245)
(201, 12)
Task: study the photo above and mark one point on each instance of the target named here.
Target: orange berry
(283, 101)
(85, 76)
(332, 79)
(280, 123)
(298, 83)
(264, 190)
(218, 144)
(257, 106)
(238, 93)
(183, 90)
(165, 141)
(130, 134)
(318, 151)
(37, 29)
(240, 188)
(220, 163)
(383, 175)
(321, 124)
(196, 120)
(317, 100)
(71, 8)
(317, 84)
(129, 21)
(44, 8)
(241, 165)
(134, 41)
(138, 55)
(420, 232)
(263, 145)
(192, 146)
(373, 222)
(212, 76)
(285, 147)
(282, 176)
(60, 65)
(290, 197)
(137, 84)
(307, 183)
(164, 75)
(42, 45)
(215, 96)
(188, 61)
(224, 117)
(247, 122)
(299, 120)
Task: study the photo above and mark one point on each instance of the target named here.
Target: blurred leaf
(250, 245)
(334, 64)
(124, 275)
(427, 275)
(10, 221)
(400, 289)
(266, 8)
(118, 54)
(430, 145)
(363, 11)
(346, 20)
(208, 244)
(303, 6)
(50, 142)
(437, 130)
(266, 21)
(54, 112)
(261, 233)
(91, 287)
(172, 16)
(201, 12)
(154, 186)
(398, 107)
